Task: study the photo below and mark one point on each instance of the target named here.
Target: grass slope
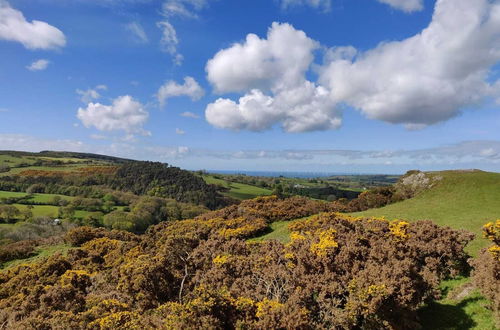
(238, 190)
(461, 200)
(468, 311)
(41, 252)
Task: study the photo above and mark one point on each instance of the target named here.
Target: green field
(8, 194)
(238, 190)
(37, 198)
(462, 200)
(41, 252)
(48, 210)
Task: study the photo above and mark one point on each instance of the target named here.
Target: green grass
(14, 161)
(278, 231)
(462, 200)
(238, 190)
(48, 211)
(467, 312)
(48, 198)
(41, 252)
(8, 194)
(37, 198)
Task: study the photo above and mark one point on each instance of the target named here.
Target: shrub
(486, 275)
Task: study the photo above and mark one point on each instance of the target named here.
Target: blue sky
(375, 86)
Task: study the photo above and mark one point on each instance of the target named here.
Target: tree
(9, 212)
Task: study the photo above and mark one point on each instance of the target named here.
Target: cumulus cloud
(124, 114)
(90, 94)
(405, 5)
(301, 109)
(38, 65)
(189, 114)
(137, 32)
(190, 88)
(422, 80)
(273, 72)
(179, 131)
(32, 35)
(279, 61)
(324, 5)
(429, 77)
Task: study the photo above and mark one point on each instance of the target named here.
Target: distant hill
(460, 199)
(64, 154)
(58, 171)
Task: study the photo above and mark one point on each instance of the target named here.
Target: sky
(357, 86)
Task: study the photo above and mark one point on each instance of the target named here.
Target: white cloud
(279, 61)
(38, 65)
(425, 79)
(125, 114)
(277, 65)
(137, 31)
(429, 77)
(183, 8)
(405, 5)
(304, 108)
(179, 131)
(32, 35)
(190, 88)
(90, 94)
(177, 8)
(189, 114)
(169, 41)
(35, 144)
(324, 5)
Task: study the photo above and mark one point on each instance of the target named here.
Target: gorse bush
(336, 272)
(486, 274)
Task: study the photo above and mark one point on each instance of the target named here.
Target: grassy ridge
(238, 190)
(461, 200)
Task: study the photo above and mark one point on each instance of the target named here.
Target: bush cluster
(486, 275)
(336, 272)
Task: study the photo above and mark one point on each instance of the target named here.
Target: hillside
(204, 274)
(237, 190)
(461, 200)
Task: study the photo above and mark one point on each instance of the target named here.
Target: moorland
(92, 241)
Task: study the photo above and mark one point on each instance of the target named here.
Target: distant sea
(304, 175)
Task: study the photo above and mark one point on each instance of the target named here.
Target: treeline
(158, 179)
(141, 178)
(337, 272)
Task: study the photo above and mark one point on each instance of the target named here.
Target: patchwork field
(238, 190)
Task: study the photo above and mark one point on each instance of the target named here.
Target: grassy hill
(237, 190)
(461, 200)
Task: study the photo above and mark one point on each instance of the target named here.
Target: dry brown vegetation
(337, 272)
(486, 274)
